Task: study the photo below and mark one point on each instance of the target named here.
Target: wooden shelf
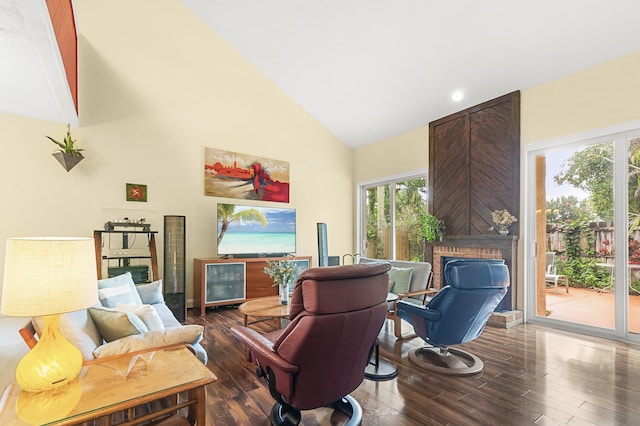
(98, 238)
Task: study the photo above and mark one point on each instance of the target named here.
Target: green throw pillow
(402, 278)
(114, 325)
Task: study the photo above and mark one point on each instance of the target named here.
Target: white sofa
(128, 318)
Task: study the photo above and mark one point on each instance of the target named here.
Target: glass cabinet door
(225, 282)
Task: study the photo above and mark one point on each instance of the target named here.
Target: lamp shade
(47, 276)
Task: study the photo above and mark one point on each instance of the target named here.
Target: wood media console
(219, 282)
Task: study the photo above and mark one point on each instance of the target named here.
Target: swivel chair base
(286, 415)
(449, 361)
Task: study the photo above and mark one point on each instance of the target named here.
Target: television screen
(255, 231)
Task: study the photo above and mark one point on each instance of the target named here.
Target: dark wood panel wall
(474, 166)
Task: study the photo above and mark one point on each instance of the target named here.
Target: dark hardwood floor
(532, 375)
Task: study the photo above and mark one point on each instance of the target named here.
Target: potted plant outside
(68, 155)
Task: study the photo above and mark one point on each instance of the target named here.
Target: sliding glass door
(585, 222)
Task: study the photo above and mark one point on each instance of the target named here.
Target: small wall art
(234, 175)
(136, 192)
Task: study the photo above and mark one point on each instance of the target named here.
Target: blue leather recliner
(457, 314)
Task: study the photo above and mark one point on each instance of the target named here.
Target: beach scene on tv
(255, 231)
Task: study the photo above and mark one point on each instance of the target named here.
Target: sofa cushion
(419, 276)
(168, 319)
(114, 324)
(402, 278)
(151, 293)
(79, 329)
(146, 313)
(120, 289)
(187, 334)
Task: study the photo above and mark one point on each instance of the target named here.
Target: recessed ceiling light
(457, 96)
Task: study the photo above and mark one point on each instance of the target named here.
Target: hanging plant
(67, 155)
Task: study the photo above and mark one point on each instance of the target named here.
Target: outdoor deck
(590, 307)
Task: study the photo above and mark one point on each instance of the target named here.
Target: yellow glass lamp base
(38, 408)
(52, 363)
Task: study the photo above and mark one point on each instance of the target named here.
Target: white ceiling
(371, 69)
(366, 69)
(32, 78)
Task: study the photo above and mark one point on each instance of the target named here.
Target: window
(390, 216)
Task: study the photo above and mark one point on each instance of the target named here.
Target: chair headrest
(345, 272)
(335, 289)
(476, 274)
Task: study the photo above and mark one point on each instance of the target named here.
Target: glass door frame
(619, 136)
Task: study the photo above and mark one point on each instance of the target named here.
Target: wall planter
(68, 155)
(67, 160)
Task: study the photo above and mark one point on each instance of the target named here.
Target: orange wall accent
(64, 28)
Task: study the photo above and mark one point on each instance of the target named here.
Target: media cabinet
(219, 282)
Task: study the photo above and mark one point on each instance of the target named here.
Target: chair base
(286, 415)
(453, 362)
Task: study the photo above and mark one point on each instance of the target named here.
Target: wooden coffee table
(264, 308)
(113, 386)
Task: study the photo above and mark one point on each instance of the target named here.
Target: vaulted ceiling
(366, 69)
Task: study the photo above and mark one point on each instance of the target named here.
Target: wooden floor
(532, 375)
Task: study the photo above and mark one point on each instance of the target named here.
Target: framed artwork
(234, 175)
(136, 192)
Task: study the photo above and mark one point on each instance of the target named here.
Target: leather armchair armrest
(262, 348)
(422, 311)
(262, 351)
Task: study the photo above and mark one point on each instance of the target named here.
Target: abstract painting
(234, 175)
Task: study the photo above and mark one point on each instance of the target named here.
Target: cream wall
(396, 155)
(156, 87)
(595, 98)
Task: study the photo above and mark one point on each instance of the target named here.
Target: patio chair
(551, 276)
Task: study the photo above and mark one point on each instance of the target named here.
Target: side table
(113, 386)
(378, 368)
(264, 308)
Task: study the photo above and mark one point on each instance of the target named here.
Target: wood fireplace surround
(474, 169)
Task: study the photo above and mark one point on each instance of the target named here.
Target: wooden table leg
(198, 412)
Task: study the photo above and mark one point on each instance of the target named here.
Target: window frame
(392, 180)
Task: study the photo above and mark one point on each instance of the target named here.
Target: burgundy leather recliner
(320, 357)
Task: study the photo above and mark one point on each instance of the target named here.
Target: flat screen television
(253, 231)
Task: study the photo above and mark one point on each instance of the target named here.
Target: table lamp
(48, 277)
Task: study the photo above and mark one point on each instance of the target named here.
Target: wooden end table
(105, 388)
(264, 308)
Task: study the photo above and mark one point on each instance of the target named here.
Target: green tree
(227, 215)
(634, 183)
(564, 209)
(591, 169)
(411, 211)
